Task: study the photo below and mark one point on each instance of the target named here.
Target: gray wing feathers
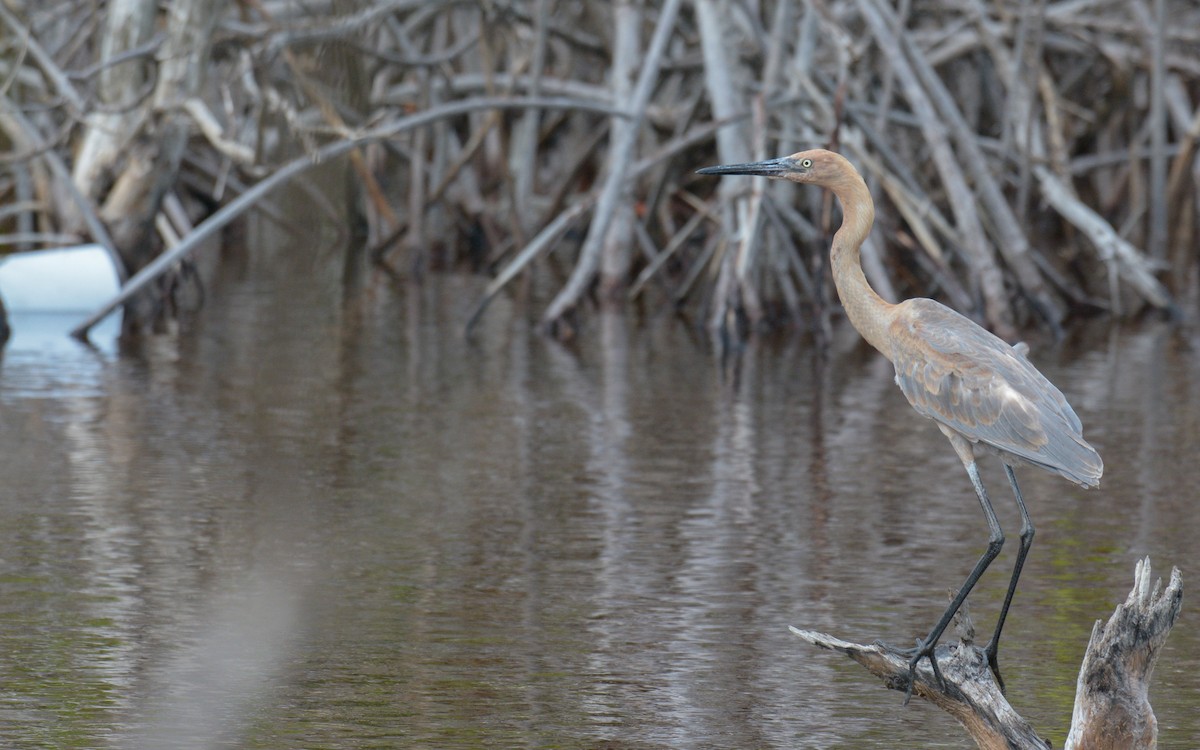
(957, 373)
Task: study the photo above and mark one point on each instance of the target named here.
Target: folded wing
(954, 371)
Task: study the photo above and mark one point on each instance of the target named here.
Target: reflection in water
(325, 520)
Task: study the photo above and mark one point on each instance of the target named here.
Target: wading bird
(983, 393)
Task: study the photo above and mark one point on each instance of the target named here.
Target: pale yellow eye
(806, 163)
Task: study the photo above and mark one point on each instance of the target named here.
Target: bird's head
(815, 167)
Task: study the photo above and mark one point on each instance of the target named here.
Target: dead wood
(615, 183)
(1027, 158)
(979, 251)
(1112, 707)
(1112, 710)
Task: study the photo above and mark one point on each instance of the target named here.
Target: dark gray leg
(925, 649)
(1026, 542)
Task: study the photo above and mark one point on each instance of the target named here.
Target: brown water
(317, 523)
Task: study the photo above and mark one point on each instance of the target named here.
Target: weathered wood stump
(1112, 709)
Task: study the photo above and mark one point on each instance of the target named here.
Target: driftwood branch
(1111, 706)
(971, 694)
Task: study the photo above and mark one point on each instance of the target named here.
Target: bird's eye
(806, 163)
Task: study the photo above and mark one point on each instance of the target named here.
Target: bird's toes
(914, 655)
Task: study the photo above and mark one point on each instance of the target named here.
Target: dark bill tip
(768, 168)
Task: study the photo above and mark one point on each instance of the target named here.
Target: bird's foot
(990, 650)
(923, 650)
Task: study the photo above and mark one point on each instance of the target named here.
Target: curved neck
(868, 312)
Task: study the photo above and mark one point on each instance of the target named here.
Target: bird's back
(957, 373)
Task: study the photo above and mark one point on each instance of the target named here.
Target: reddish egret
(983, 393)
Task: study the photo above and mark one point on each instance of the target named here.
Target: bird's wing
(955, 372)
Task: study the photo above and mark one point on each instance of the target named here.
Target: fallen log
(1112, 708)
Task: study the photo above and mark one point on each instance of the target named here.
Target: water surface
(321, 519)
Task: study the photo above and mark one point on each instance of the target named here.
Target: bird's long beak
(769, 168)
